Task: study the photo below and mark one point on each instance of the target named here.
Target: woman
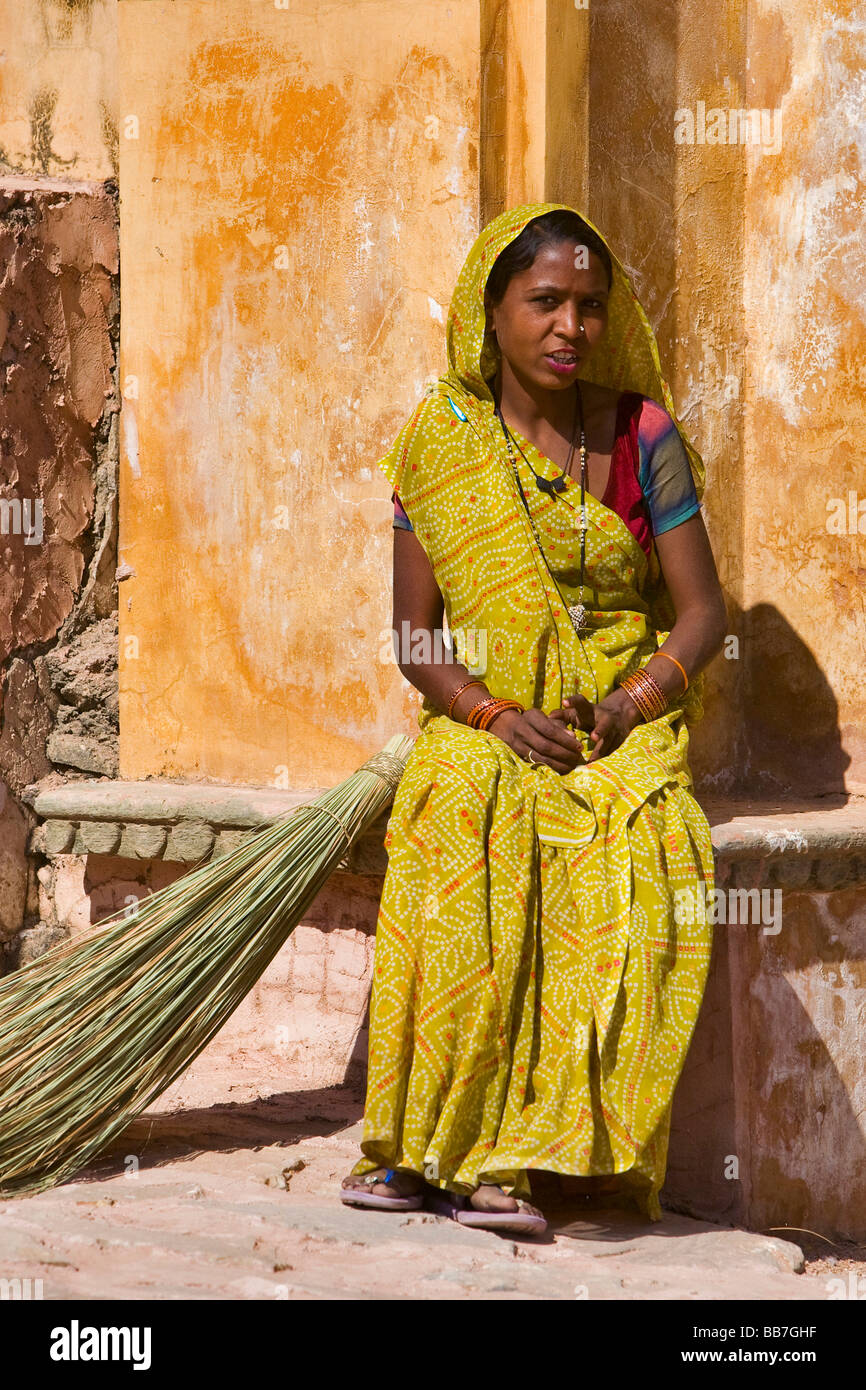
(534, 994)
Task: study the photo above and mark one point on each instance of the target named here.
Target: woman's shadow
(764, 1130)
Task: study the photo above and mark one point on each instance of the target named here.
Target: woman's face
(538, 321)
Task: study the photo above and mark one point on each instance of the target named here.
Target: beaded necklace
(553, 486)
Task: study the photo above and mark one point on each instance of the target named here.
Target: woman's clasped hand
(550, 739)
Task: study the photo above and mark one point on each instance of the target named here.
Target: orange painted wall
(300, 188)
(805, 402)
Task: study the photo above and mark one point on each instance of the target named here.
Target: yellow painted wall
(299, 190)
(674, 214)
(805, 420)
(58, 88)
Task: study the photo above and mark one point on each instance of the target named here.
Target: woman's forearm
(696, 637)
(438, 680)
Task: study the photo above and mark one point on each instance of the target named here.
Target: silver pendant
(577, 613)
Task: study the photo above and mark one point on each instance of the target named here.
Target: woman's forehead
(563, 265)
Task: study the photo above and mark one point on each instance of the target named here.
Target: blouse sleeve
(665, 472)
(401, 520)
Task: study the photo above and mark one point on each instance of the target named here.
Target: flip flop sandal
(456, 1206)
(354, 1197)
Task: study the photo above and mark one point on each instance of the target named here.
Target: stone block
(189, 841)
(308, 975)
(346, 995)
(47, 909)
(348, 954)
(792, 871)
(71, 895)
(228, 841)
(59, 837)
(37, 840)
(100, 837)
(85, 754)
(143, 841)
(749, 873)
(68, 889)
(307, 940)
(832, 871)
(35, 941)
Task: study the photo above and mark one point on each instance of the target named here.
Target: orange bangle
(477, 710)
(482, 713)
(488, 716)
(676, 663)
(646, 693)
(458, 692)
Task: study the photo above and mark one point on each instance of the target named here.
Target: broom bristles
(94, 1030)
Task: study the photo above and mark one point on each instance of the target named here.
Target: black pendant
(549, 485)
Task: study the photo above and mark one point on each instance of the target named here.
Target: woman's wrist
(667, 673)
(620, 702)
(503, 720)
(467, 700)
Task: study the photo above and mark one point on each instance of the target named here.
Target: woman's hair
(550, 229)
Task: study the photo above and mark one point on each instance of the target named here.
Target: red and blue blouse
(650, 484)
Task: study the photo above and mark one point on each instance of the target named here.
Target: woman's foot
(402, 1190)
(488, 1208)
(489, 1197)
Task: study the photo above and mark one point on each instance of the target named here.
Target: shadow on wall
(765, 1115)
(791, 712)
(784, 741)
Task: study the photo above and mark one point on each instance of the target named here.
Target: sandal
(456, 1206)
(353, 1197)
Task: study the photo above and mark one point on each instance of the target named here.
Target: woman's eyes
(585, 303)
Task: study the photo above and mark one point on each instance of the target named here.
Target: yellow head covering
(627, 358)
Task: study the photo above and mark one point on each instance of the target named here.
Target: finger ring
(531, 759)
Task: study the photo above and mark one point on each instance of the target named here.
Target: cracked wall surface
(58, 88)
(295, 212)
(59, 312)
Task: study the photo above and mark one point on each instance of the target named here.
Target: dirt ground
(229, 1189)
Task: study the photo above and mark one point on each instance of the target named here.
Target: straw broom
(94, 1030)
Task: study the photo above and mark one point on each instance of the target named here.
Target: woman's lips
(562, 367)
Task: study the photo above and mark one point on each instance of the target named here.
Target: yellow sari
(534, 995)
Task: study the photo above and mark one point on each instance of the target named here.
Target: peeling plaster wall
(805, 307)
(58, 596)
(751, 261)
(296, 206)
(674, 214)
(58, 96)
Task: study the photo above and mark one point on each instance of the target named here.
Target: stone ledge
(222, 806)
(816, 844)
(819, 844)
(180, 822)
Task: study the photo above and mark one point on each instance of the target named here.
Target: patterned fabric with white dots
(534, 995)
